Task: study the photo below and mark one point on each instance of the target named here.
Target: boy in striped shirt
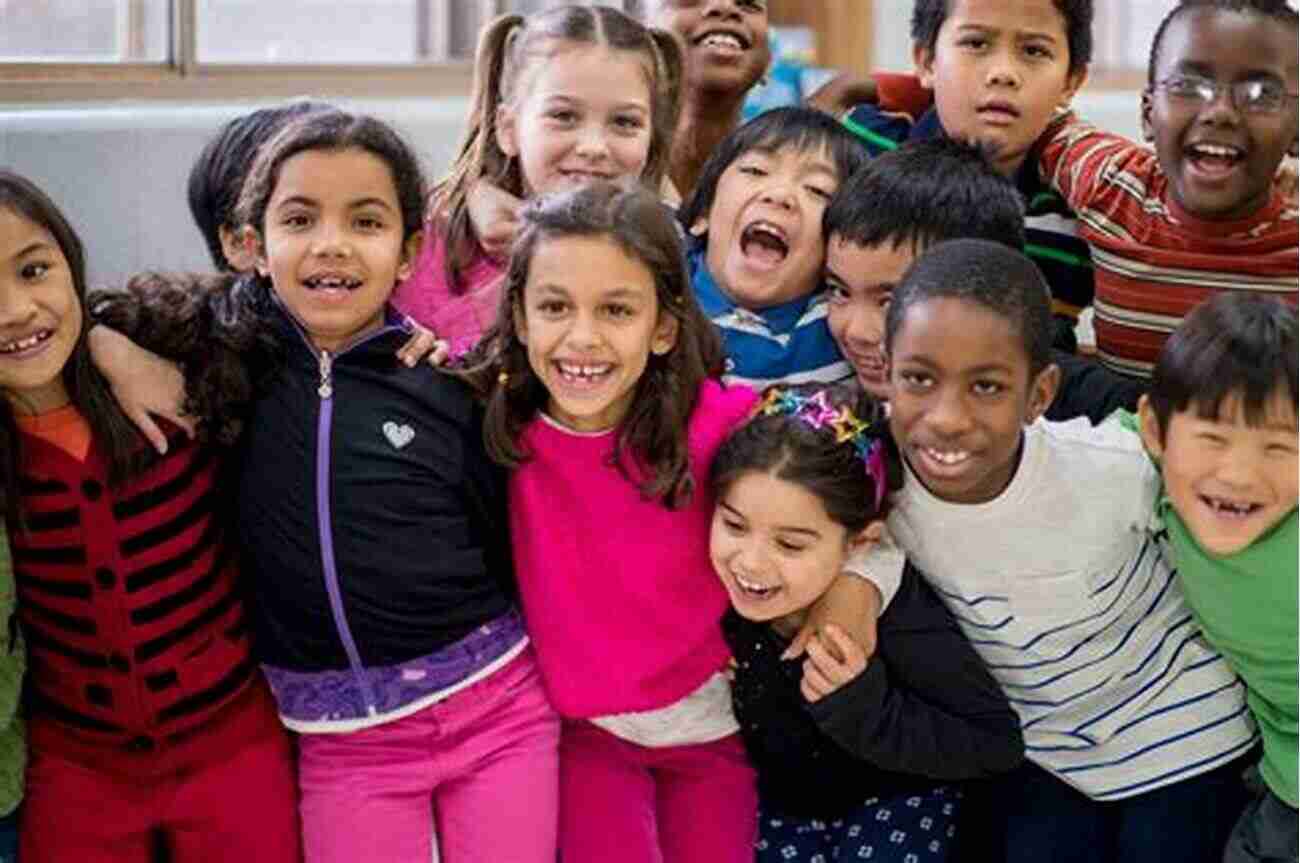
(1201, 214)
(1039, 537)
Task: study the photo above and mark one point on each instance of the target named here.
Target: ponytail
(669, 79)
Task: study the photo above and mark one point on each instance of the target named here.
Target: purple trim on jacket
(338, 695)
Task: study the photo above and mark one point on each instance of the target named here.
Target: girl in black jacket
(854, 762)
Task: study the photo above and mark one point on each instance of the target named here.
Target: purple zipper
(323, 513)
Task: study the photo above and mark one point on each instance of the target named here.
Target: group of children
(731, 531)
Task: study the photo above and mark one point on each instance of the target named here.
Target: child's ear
(257, 252)
(234, 245)
(923, 62)
(1149, 428)
(410, 250)
(665, 334)
(506, 129)
(1042, 391)
(868, 536)
(1073, 83)
(1148, 128)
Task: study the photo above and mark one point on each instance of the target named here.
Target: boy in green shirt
(1221, 419)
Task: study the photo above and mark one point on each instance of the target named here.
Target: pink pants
(476, 771)
(634, 804)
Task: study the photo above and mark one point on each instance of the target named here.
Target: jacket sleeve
(925, 704)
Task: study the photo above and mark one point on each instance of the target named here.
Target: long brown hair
(654, 431)
(122, 445)
(509, 48)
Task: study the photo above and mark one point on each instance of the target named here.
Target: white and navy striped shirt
(785, 344)
(1060, 585)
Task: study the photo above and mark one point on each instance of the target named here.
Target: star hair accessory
(816, 412)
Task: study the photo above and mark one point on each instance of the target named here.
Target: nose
(1237, 467)
(722, 9)
(867, 326)
(1003, 71)
(748, 559)
(583, 334)
(778, 192)
(331, 241)
(592, 143)
(947, 416)
(1221, 110)
(16, 307)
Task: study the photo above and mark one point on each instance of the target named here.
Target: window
(1122, 34)
(84, 31)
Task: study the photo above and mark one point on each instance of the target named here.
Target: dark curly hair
(655, 428)
(214, 326)
(790, 449)
(928, 16)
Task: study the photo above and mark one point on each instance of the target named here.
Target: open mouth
(1229, 508)
(585, 176)
(1214, 159)
(331, 282)
(943, 462)
(27, 343)
(581, 376)
(754, 590)
(765, 243)
(723, 41)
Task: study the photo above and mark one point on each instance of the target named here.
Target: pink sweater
(621, 601)
(426, 296)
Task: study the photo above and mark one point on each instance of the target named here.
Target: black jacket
(394, 506)
(924, 711)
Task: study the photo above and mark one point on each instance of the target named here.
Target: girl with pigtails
(561, 97)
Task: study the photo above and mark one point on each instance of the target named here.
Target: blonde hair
(508, 49)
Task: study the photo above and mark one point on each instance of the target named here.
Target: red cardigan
(130, 605)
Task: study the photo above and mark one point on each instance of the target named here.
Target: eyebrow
(34, 247)
(621, 106)
(782, 528)
(303, 200)
(830, 273)
(1019, 34)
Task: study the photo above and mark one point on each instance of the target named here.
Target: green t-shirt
(13, 661)
(1246, 604)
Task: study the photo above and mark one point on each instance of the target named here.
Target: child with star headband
(860, 758)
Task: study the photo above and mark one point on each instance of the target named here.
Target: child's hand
(850, 603)
(833, 660)
(423, 345)
(841, 93)
(144, 384)
(494, 213)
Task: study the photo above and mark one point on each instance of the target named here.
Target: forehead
(605, 266)
(1226, 41)
(335, 175)
(17, 232)
(956, 333)
(808, 154)
(1279, 411)
(767, 499)
(1040, 17)
(590, 71)
(869, 265)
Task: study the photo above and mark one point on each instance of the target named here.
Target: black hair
(114, 435)
(812, 458)
(1233, 344)
(804, 129)
(334, 130)
(925, 193)
(1278, 10)
(654, 431)
(218, 173)
(928, 16)
(1000, 279)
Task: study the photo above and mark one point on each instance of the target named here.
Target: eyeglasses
(1260, 97)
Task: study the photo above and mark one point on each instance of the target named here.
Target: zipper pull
(326, 388)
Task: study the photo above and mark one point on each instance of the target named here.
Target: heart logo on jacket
(398, 435)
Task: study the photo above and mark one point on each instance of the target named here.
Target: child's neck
(788, 626)
(705, 120)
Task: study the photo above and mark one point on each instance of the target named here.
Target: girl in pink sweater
(603, 398)
(560, 97)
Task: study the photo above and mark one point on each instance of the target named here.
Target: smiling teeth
(751, 587)
(722, 40)
(586, 372)
(333, 282)
(1227, 507)
(947, 457)
(23, 344)
(1217, 150)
